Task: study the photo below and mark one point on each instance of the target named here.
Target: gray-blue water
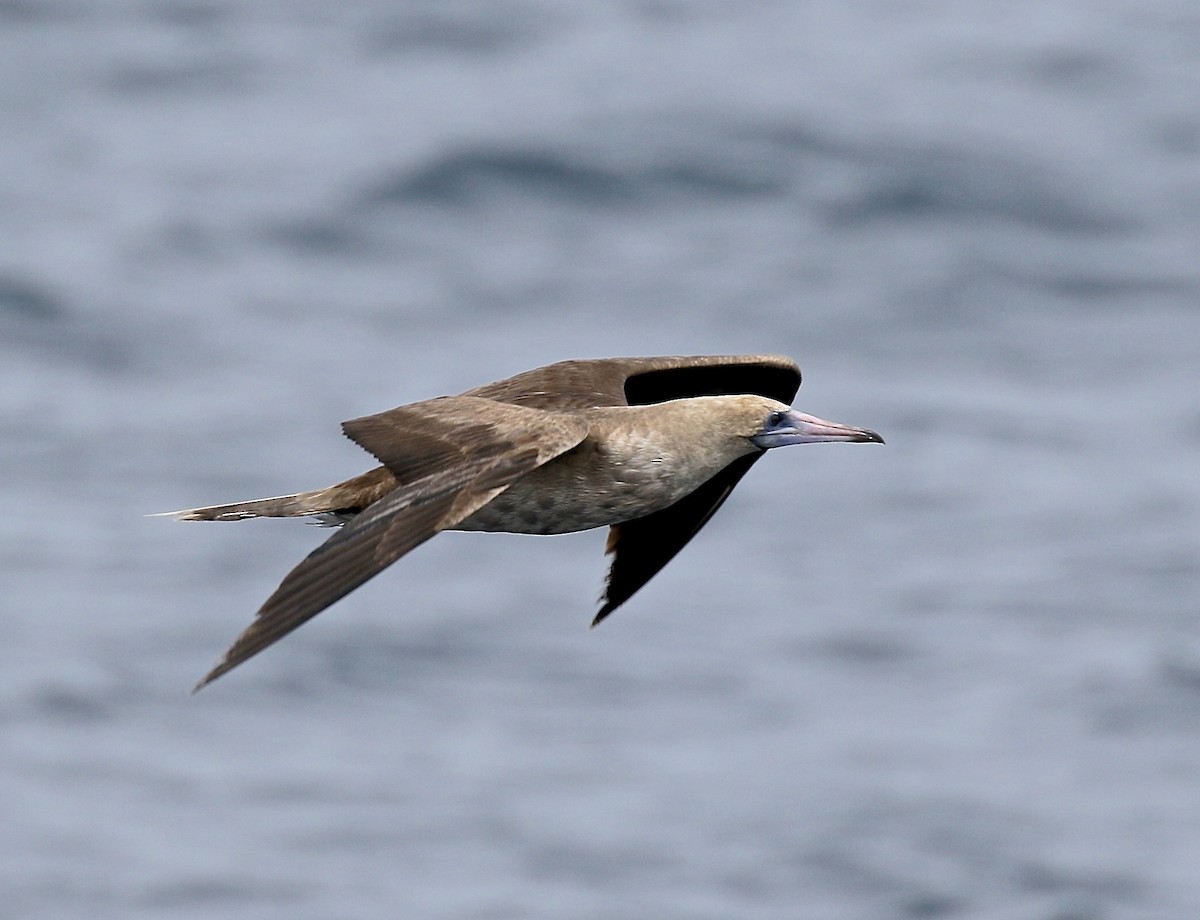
(957, 676)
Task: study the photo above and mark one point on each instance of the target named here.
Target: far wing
(436, 490)
(576, 385)
(641, 547)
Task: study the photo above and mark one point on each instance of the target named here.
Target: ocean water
(954, 677)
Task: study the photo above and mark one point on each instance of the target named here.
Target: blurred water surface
(958, 676)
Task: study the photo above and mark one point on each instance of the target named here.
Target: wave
(464, 176)
(874, 179)
(842, 183)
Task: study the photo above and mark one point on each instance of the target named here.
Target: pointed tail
(334, 504)
(297, 505)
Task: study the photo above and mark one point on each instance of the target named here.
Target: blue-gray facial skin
(791, 427)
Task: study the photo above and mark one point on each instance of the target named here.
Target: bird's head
(767, 423)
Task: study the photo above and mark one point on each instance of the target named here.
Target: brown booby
(649, 447)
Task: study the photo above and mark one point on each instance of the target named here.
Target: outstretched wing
(451, 456)
(641, 547)
(570, 386)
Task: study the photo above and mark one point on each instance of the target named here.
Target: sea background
(957, 676)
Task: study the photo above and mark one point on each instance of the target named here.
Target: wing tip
(603, 613)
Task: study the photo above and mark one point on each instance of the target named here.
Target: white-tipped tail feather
(298, 505)
(331, 506)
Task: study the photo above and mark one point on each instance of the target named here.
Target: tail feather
(333, 505)
(297, 505)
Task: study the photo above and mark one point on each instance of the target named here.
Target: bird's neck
(676, 439)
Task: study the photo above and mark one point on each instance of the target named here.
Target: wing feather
(576, 385)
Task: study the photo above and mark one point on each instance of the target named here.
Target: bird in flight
(649, 447)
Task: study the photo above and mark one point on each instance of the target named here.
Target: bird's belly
(539, 504)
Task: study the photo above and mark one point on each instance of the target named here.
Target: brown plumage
(650, 447)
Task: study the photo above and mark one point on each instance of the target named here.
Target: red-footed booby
(649, 447)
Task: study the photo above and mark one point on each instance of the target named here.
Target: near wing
(451, 457)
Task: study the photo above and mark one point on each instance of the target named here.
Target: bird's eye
(775, 419)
